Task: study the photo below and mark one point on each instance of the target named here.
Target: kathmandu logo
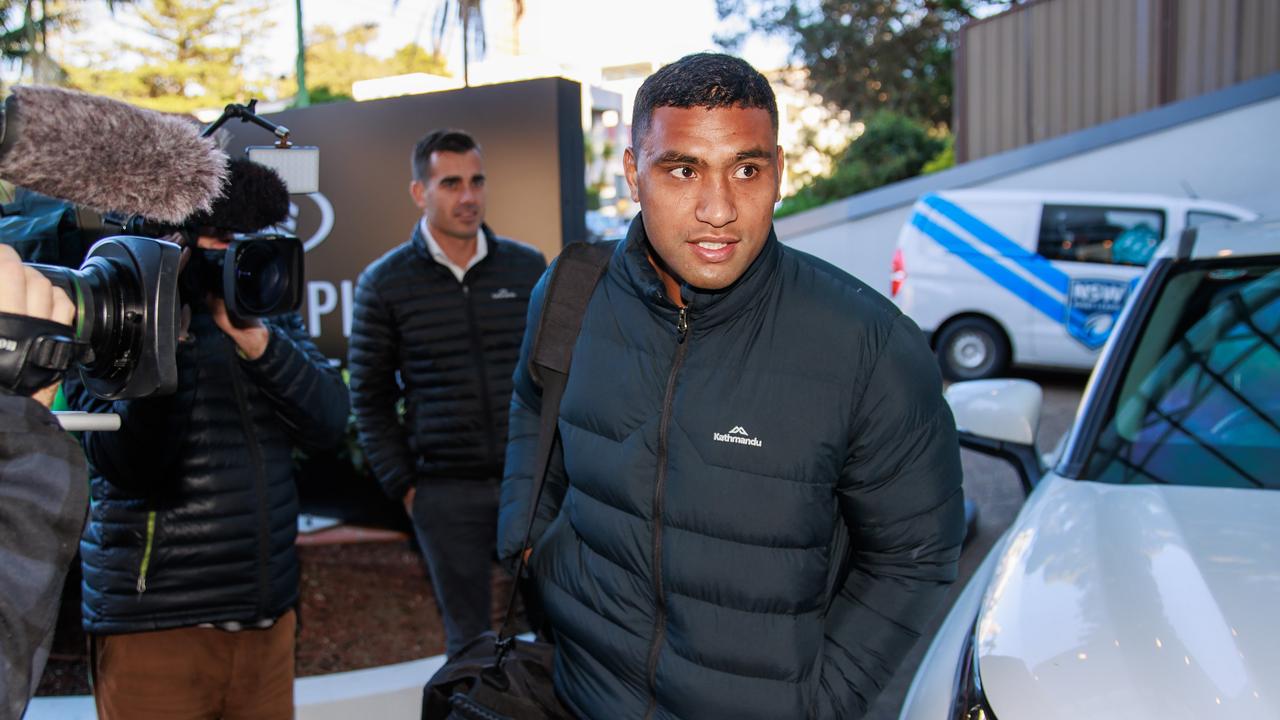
(8, 344)
(503, 294)
(737, 436)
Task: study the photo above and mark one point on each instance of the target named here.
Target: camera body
(129, 288)
(126, 317)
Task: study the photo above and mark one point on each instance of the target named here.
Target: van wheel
(972, 348)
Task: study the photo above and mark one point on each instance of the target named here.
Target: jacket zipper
(146, 552)
(477, 353)
(660, 619)
(260, 485)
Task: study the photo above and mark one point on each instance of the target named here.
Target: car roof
(1221, 239)
(1103, 199)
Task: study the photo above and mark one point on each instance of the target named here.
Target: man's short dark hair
(445, 140)
(704, 80)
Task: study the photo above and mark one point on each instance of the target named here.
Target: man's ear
(418, 191)
(632, 173)
(782, 166)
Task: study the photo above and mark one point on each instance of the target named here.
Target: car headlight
(970, 702)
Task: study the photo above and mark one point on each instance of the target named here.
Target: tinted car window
(1200, 217)
(1114, 236)
(1200, 402)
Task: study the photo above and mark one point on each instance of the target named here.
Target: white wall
(1233, 156)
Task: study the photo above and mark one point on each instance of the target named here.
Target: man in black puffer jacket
(437, 323)
(755, 504)
(190, 572)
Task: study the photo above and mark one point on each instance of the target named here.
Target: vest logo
(737, 436)
(8, 344)
(503, 294)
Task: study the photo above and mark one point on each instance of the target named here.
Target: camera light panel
(298, 166)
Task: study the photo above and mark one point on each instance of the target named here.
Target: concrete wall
(1222, 146)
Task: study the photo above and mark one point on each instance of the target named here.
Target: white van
(1000, 277)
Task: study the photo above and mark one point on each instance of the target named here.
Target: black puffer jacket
(194, 509)
(453, 345)
(691, 550)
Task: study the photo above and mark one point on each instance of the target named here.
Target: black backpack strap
(577, 272)
(569, 289)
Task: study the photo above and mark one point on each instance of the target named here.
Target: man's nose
(716, 205)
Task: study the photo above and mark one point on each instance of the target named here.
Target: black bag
(499, 676)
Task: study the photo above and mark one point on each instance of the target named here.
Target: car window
(1200, 402)
(1196, 218)
(1095, 234)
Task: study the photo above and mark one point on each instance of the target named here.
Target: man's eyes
(684, 172)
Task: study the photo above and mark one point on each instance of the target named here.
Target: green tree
(891, 148)
(337, 59)
(25, 26)
(197, 57)
(865, 55)
(413, 58)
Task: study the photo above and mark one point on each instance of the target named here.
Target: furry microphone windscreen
(254, 197)
(107, 155)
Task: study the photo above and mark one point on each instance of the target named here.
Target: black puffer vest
(453, 346)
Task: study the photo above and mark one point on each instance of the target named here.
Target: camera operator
(190, 571)
(42, 498)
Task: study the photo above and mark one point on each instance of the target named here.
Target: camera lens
(261, 279)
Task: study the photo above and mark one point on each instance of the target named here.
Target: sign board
(530, 134)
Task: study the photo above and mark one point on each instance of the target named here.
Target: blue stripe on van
(1001, 275)
(1033, 263)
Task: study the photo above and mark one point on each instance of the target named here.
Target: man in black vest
(437, 324)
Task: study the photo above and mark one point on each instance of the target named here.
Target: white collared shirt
(433, 247)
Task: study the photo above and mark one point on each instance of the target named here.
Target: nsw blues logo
(1092, 308)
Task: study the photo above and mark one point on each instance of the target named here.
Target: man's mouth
(714, 250)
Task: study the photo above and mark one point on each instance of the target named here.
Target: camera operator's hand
(249, 334)
(24, 291)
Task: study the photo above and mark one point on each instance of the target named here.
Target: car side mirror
(1000, 418)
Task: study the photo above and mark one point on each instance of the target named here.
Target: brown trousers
(196, 674)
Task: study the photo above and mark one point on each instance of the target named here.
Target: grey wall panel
(1050, 67)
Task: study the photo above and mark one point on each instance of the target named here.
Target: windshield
(1200, 402)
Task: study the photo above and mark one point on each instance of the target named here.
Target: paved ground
(994, 487)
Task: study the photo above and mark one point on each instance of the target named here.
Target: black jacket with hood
(755, 506)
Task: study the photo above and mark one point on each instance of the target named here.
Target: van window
(1109, 235)
(1196, 218)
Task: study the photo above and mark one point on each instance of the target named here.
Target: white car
(1141, 579)
(1032, 278)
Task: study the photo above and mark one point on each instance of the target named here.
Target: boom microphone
(107, 155)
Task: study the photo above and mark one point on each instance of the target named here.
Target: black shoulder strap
(577, 272)
(569, 289)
